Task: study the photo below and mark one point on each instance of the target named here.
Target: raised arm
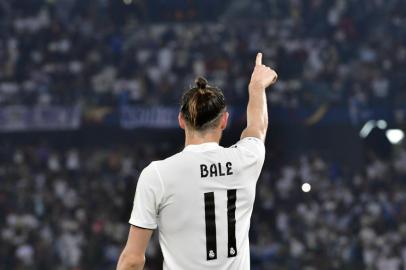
(257, 111)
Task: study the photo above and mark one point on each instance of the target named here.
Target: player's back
(203, 199)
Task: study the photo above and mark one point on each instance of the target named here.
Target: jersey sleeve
(252, 146)
(148, 197)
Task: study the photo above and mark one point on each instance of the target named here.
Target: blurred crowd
(67, 209)
(346, 52)
(348, 220)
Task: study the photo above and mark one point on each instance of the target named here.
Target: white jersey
(201, 201)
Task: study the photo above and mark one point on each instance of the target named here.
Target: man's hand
(257, 111)
(262, 76)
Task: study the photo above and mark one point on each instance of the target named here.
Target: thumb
(258, 60)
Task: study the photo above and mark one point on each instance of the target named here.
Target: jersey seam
(249, 151)
(160, 179)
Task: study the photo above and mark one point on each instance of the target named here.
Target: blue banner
(23, 118)
(150, 117)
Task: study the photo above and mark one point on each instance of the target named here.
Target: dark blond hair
(202, 105)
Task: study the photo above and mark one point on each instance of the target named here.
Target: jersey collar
(203, 147)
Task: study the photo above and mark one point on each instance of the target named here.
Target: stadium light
(306, 187)
(382, 124)
(395, 136)
(367, 128)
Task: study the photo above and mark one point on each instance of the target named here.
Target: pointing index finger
(258, 60)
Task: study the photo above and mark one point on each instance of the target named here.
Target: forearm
(257, 113)
(127, 262)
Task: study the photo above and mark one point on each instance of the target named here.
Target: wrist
(255, 86)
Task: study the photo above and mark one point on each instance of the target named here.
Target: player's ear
(181, 121)
(224, 120)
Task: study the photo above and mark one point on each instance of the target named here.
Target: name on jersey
(216, 169)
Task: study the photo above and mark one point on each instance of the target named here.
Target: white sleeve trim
(143, 225)
(251, 137)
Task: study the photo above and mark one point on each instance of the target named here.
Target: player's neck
(199, 138)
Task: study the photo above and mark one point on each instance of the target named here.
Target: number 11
(210, 218)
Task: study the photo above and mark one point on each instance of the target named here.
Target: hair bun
(201, 83)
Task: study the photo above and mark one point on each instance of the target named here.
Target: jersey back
(201, 200)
